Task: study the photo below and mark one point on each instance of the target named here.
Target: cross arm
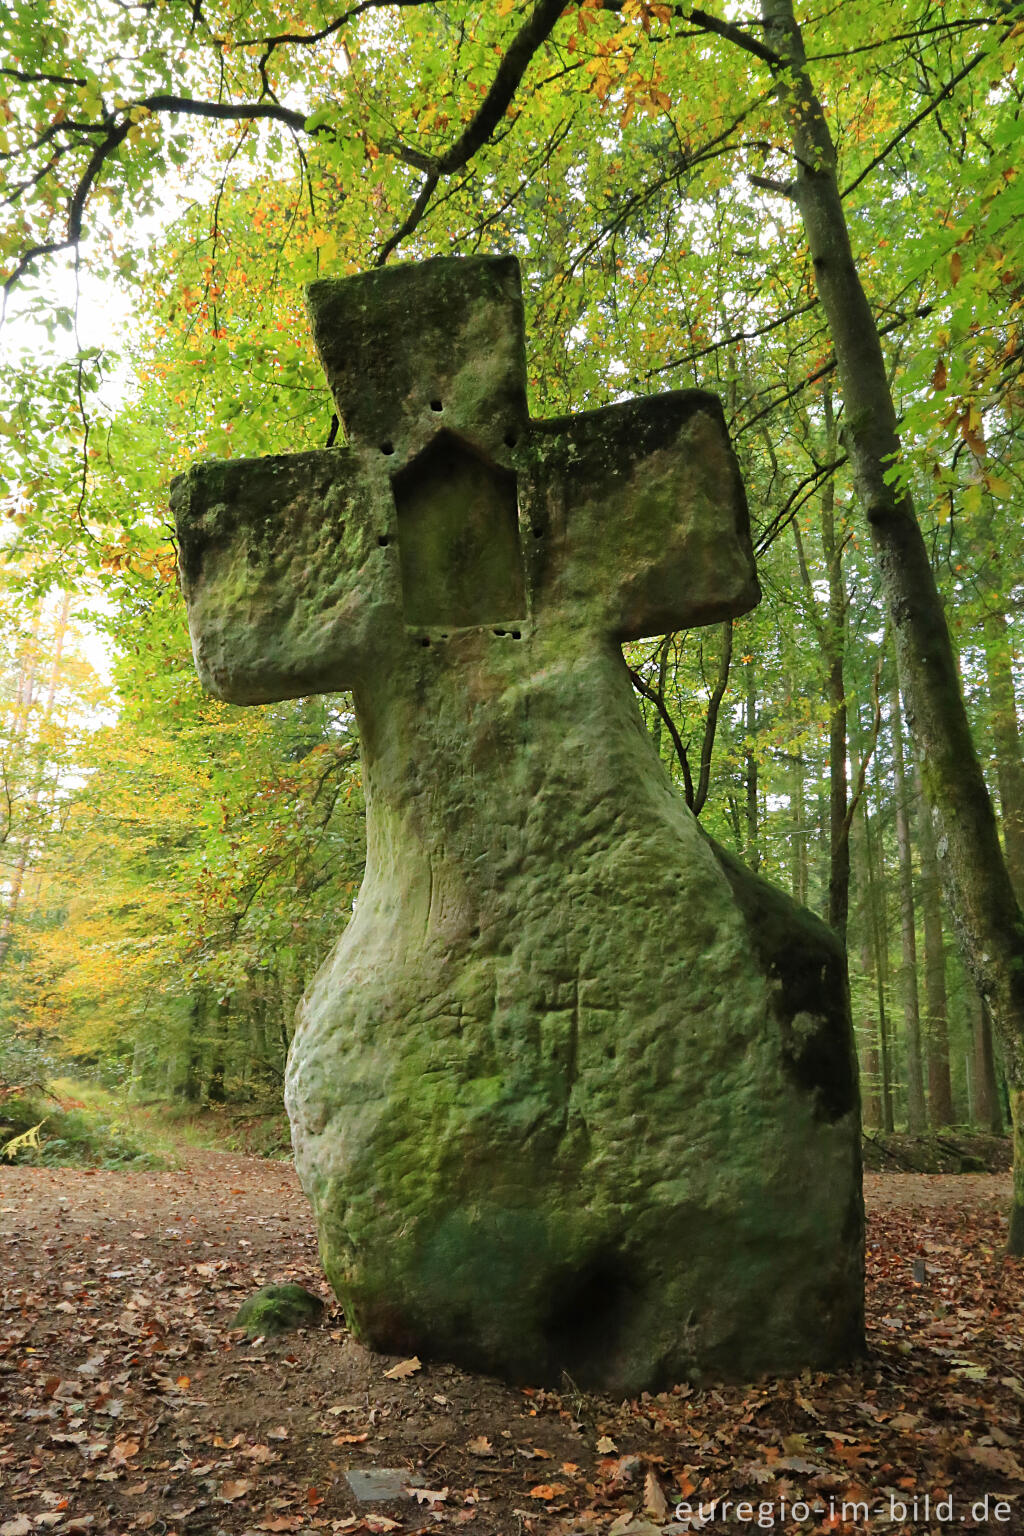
(283, 571)
(644, 518)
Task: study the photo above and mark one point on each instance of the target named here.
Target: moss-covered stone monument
(575, 1091)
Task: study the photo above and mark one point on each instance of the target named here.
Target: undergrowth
(42, 1130)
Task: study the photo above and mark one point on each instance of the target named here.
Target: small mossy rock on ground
(576, 1092)
(278, 1309)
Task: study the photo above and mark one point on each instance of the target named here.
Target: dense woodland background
(173, 869)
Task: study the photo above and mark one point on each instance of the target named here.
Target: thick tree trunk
(981, 897)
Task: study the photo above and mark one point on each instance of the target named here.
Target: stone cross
(449, 511)
(558, 1091)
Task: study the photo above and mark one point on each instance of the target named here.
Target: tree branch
(707, 745)
(677, 741)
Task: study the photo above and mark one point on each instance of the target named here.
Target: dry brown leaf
(480, 1446)
(995, 1460)
(429, 1495)
(261, 1454)
(404, 1368)
(655, 1502)
(378, 1523)
(606, 1446)
(350, 1439)
(122, 1451)
(236, 1488)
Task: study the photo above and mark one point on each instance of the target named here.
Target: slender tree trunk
(871, 1098)
(988, 920)
(798, 819)
(752, 850)
(32, 800)
(940, 1087)
(834, 639)
(917, 1117)
(877, 928)
(987, 1111)
(662, 680)
(1006, 735)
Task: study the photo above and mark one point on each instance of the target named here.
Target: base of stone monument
(527, 1188)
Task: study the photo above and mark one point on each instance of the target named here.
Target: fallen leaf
(481, 1446)
(995, 1460)
(261, 1454)
(655, 1502)
(349, 1439)
(236, 1489)
(377, 1523)
(548, 1491)
(428, 1495)
(404, 1368)
(20, 1526)
(606, 1446)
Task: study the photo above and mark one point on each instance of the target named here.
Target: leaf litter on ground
(127, 1405)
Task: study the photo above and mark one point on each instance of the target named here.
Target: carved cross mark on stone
(575, 1090)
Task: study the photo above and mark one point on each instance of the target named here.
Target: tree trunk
(917, 1116)
(799, 830)
(876, 928)
(752, 849)
(32, 799)
(936, 1003)
(987, 1111)
(981, 897)
(1006, 736)
(834, 645)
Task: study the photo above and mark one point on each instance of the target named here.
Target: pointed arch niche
(458, 538)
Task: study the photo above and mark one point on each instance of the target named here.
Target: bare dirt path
(127, 1404)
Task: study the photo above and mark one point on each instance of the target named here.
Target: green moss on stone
(278, 1309)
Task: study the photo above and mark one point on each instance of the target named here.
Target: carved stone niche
(458, 538)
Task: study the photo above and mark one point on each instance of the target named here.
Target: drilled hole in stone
(517, 634)
(474, 933)
(435, 405)
(383, 542)
(425, 640)
(501, 632)
(538, 533)
(510, 439)
(387, 447)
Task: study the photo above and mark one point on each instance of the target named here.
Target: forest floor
(128, 1405)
